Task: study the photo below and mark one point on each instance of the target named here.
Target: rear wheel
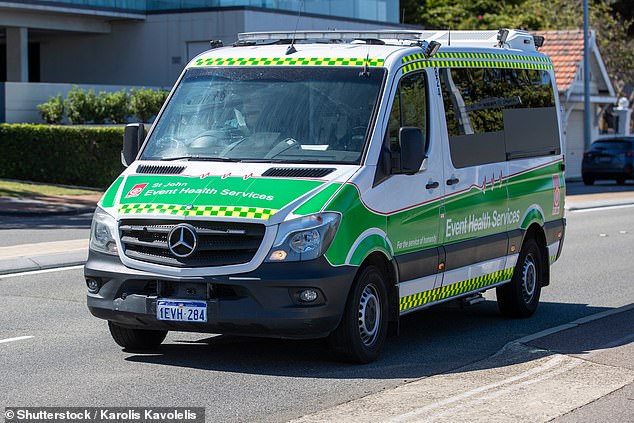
(136, 339)
(620, 181)
(361, 334)
(588, 180)
(520, 297)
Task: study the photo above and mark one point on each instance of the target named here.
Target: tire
(520, 297)
(587, 180)
(620, 181)
(136, 339)
(361, 334)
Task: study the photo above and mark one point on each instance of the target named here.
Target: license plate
(181, 310)
(605, 159)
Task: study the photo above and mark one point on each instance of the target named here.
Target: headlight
(305, 238)
(102, 232)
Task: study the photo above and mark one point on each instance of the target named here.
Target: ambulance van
(318, 184)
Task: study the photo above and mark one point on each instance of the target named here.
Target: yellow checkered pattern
(443, 292)
(552, 259)
(178, 210)
(496, 56)
(287, 61)
(478, 60)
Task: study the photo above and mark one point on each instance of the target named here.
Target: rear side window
(497, 114)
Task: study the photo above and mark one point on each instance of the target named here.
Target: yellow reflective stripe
(436, 63)
(452, 290)
(178, 210)
(288, 61)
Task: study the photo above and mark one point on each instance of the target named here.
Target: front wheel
(588, 180)
(519, 298)
(136, 339)
(361, 334)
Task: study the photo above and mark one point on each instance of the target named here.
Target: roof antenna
(366, 68)
(291, 49)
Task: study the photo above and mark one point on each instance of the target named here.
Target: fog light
(93, 285)
(308, 295)
(278, 255)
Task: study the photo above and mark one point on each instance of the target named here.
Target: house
(565, 48)
(47, 46)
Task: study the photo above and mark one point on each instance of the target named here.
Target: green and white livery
(328, 185)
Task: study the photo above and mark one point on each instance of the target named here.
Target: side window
(496, 114)
(395, 121)
(409, 107)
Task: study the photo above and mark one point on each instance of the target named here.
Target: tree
(611, 19)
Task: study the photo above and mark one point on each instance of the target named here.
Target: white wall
(575, 140)
(154, 52)
(21, 98)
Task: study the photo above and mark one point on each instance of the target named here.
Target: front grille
(219, 243)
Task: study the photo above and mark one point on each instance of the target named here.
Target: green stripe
(287, 61)
(437, 294)
(110, 196)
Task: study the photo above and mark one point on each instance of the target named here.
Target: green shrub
(146, 103)
(61, 154)
(52, 111)
(80, 105)
(117, 106)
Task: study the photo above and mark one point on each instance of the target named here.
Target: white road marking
(19, 338)
(37, 272)
(593, 209)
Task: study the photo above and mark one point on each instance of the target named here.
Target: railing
(375, 10)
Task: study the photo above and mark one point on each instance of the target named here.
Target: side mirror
(412, 147)
(133, 137)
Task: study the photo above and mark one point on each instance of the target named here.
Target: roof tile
(565, 49)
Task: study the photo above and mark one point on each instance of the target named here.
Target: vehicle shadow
(438, 340)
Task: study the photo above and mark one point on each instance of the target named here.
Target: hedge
(71, 155)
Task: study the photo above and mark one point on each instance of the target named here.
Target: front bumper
(260, 303)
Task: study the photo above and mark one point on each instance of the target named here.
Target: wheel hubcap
(369, 314)
(529, 279)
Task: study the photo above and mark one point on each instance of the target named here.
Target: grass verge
(30, 189)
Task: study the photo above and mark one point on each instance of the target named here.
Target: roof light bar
(330, 35)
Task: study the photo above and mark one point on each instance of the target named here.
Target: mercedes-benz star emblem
(182, 240)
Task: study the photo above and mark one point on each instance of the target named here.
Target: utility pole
(586, 77)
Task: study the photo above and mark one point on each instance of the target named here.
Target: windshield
(291, 114)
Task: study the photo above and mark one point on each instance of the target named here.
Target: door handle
(452, 181)
(432, 185)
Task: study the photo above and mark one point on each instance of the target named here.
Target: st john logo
(136, 190)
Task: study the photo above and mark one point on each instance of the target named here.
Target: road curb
(33, 213)
(16, 272)
(42, 262)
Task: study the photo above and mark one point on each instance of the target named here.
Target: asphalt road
(71, 360)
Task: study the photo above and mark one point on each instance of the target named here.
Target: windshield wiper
(201, 158)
